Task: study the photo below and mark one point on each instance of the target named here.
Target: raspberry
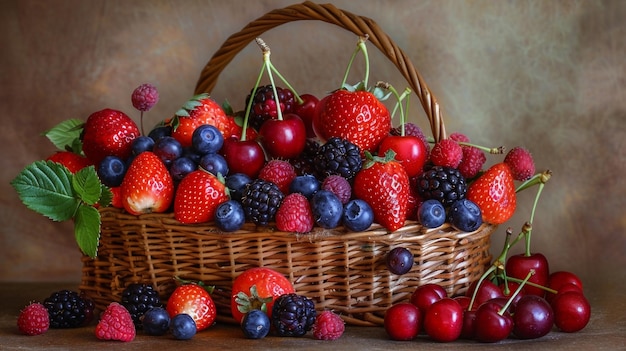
(293, 315)
(264, 104)
(472, 162)
(446, 153)
(328, 326)
(116, 324)
(459, 137)
(279, 172)
(33, 319)
(294, 214)
(339, 186)
(521, 163)
(144, 97)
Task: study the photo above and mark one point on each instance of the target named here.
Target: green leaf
(106, 196)
(46, 188)
(66, 135)
(87, 229)
(87, 186)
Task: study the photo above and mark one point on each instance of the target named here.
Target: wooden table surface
(605, 331)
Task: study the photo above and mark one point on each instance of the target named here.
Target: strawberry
(198, 196)
(494, 193)
(199, 110)
(33, 319)
(384, 185)
(116, 323)
(108, 132)
(357, 116)
(147, 186)
(116, 201)
(194, 300)
(257, 288)
(294, 214)
(71, 160)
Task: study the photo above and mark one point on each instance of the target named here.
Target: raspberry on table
(33, 319)
(116, 324)
(328, 326)
(144, 97)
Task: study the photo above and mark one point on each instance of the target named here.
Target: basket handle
(327, 13)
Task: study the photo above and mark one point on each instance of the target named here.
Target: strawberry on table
(494, 193)
(193, 299)
(198, 196)
(147, 186)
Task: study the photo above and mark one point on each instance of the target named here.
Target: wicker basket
(341, 270)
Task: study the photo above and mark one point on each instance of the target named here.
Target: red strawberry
(494, 193)
(147, 186)
(73, 161)
(356, 116)
(197, 197)
(108, 132)
(199, 110)
(384, 185)
(279, 172)
(294, 214)
(33, 319)
(116, 323)
(116, 201)
(194, 300)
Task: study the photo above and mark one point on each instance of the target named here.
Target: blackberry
(293, 315)
(338, 156)
(261, 200)
(441, 183)
(138, 299)
(66, 309)
(264, 105)
(305, 163)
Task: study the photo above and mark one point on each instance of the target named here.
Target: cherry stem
(498, 150)
(545, 288)
(538, 179)
(268, 66)
(519, 288)
(399, 98)
(480, 280)
(362, 48)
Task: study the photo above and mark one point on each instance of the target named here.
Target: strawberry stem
(360, 47)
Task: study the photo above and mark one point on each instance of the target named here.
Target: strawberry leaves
(66, 135)
(51, 190)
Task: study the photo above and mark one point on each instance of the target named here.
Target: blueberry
(465, 215)
(181, 167)
(159, 132)
(214, 163)
(357, 215)
(182, 327)
(327, 209)
(255, 324)
(237, 183)
(229, 216)
(399, 260)
(142, 143)
(431, 213)
(306, 185)
(167, 149)
(111, 171)
(190, 153)
(156, 321)
(207, 139)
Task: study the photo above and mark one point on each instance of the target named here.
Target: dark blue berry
(142, 143)
(111, 171)
(431, 213)
(156, 321)
(236, 184)
(399, 260)
(230, 216)
(182, 327)
(207, 139)
(306, 185)
(190, 153)
(181, 167)
(465, 215)
(327, 209)
(66, 309)
(167, 149)
(255, 324)
(214, 163)
(159, 132)
(357, 215)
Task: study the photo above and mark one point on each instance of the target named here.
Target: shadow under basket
(340, 270)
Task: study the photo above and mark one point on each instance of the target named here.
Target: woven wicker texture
(341, 270)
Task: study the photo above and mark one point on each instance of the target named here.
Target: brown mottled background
(548, 75)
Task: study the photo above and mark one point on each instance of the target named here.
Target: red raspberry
(33, 319)
(294, 214)
(459, 137)
(472, 162)
(116, 323)
(328, 326)
(144, 97)
(521, 163)
(279, 172)
(446, 153)
(339, 186)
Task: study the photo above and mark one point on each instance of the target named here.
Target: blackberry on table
(441, 183)
(264, 105)
(261, 200)
(293, 315)
(339, 156)
(66, 309)
(138, 298)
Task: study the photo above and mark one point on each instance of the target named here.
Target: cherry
(464, 301)
(306, 111)
(492, 323)
(443, 321)
(510, 288)
(572, 311)
(410, 152)
(244, 156)
(533, 317)
(564, 288)
(283, 138)
(487, 290)
(425, 295)
(563, 281)
(518, 266)
(402, 321)
(468, 331)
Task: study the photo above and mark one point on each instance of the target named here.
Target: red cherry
(443, 321)
(283, 138)
(316, 120)
(563, 280)
(245, 156)
(469, 325)
(464, 301)
(518, 266)
(306, 111)
(492, 324)
(425, 295)
(486, 291)
(533, 317)
(402, 321)
(572, 311)
(410, 152)
(512, 287)
(563, 289)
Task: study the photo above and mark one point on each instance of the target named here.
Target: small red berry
(116, 323)
(33, 319)
(447, 153)
(521, 163)
(279, 172)
(144, 97)
(459, 137)
(472, 162)
(294, 214)
(339, 186)
(328, 326)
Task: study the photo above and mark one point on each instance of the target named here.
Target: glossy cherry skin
(443, 321)
(512, 287)
(572, 311)
(425, 295)
(561, 280)
(486, 291)
(468, 331)
(410, 152)
(402, 321)
(490, 326)
(563, 289)
(245, 157)
(533, 317)
(283, 138)
(306, 111)
(518, 266)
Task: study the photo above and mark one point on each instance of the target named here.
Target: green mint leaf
(87, 229)
(46, 188)
(66, 135)
(87, 186)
